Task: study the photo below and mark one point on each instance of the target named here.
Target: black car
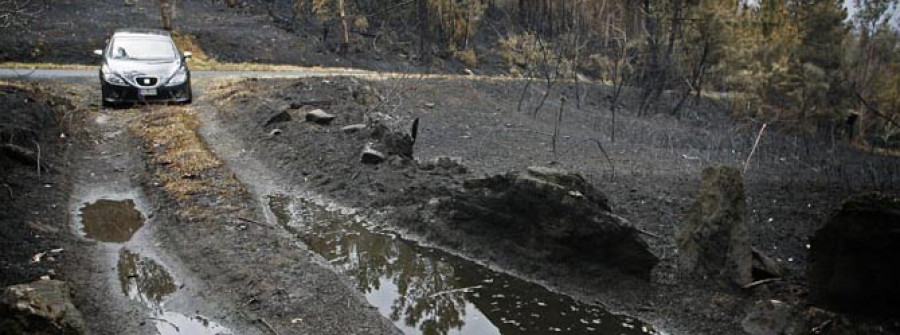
(143, 65)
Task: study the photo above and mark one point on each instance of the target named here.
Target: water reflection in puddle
(170, 323)
(143, 279)
(146, 281)
(427, 291)
(111, 220)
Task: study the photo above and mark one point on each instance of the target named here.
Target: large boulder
(551, 215)
(40, 307)
(713, 240)
(856, 257)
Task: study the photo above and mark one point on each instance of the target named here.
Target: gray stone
(764, 266)
(713, 239)
(319, 116)
(353, 128)
(552, 216)
(451, 164)
(372, 156)
(269, 116)
(430, 105)
(40, 307)
(855, 257)
(391, 134)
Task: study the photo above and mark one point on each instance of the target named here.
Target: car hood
(129, 69)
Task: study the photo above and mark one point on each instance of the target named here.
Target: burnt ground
(795, 180)
(33, 216)
(228, 267)
(67, 31)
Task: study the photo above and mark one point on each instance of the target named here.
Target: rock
(430, 105)
(301, 102)
(451, 164)
(713, 239)
(274, 132)
(550, 215)
(40, 307)
(391, 135)
(371, 156)
(764, 266)
(319, 116)
(353, 128)
(768, 317)
(270, 116)
(855, 257)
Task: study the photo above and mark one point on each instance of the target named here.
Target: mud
(111, 220)
(146, 281)
(428, 291)
(651, 177)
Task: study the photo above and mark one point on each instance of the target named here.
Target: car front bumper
(125, 94)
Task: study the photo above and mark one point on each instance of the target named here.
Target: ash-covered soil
(67, 31)
(793, 182)
(33, 131)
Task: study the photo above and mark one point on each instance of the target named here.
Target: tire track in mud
(256, 270)
(126, 283)
(423, 290)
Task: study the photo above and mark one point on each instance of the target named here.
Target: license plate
(148, 91)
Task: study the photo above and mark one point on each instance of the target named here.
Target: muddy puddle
(428, 291)
(142, 279)
(111, 220)
(148, 282)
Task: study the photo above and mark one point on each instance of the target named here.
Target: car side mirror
(98, 53)
(188, 54)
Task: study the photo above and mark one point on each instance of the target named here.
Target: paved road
(91, 76)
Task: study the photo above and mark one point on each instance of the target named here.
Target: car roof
(141, 32)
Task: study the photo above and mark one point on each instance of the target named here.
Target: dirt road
(239, 225)
(225, 258)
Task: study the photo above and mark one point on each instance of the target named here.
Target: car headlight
(178, 78)
(112, 78)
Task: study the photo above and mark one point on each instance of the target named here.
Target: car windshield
(142, 49)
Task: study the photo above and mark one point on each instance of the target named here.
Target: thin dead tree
(559, 117)
(617, 74)
(551, 64)
(345, 44)
(165, 12)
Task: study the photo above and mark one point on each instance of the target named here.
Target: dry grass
(878, 151)
(185, 168)
(46, 66)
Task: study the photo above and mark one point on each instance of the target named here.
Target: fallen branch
(755, 144)
(820, 328)
(648, 233)
(760, 282)
(252, 221)
(272, 329)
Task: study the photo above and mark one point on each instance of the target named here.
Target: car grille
(146, 81)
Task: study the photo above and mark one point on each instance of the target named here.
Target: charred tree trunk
(165, 11)
(424, 32)
(345, 44)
